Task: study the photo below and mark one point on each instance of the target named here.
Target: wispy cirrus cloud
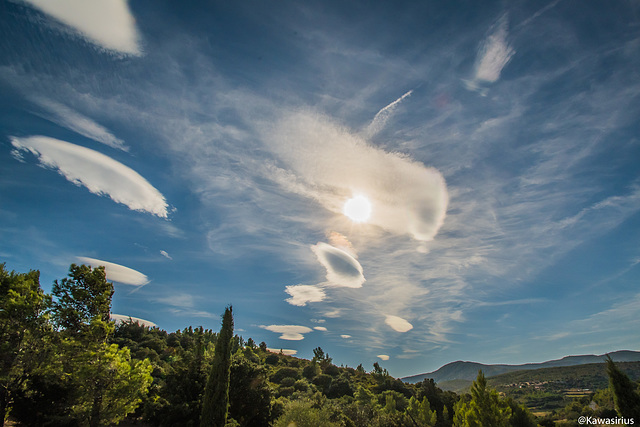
(493, 55)
(99, 173)
(110, 24)
(183, 304)
(116, 272)
(66, 117)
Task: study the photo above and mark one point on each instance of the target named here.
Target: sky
(408, 183)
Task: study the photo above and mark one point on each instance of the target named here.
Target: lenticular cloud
(398, 323)
(116, 272)
(333, 163)
(108, 24)
(100, 174)
(342, 269)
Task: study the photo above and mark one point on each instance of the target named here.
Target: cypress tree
(216, 395)
(626, 399)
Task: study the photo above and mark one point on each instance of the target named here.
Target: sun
(358, 209)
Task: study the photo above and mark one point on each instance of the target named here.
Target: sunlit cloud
(289, 332)
(284, 351)
(383, 357)
(493, 55)
(70, 119)
(165, 254)
(117, 273)
(345, 336)
(333, 313)
(108, 24)
(320, 328)
(342, 268)
(100, 174)
(303, 294)
(330, 164)
(398, 323)
(122, 318)
(381, 118)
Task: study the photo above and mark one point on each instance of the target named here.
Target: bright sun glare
(358, 209)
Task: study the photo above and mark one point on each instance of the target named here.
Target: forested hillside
(64, 362)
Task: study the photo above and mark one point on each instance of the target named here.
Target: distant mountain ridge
(469, 370)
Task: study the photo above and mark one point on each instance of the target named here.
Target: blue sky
(204, 153)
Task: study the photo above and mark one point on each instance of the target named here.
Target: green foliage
(625, 396)
(83, 303)
(107, 384)
(485, 408)
(216, 398)
(421, 413)
(305, 413)
(249, 394)
(23, 332)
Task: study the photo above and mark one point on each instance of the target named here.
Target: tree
(421, 413)
(23, 326)
(215, 406)
(485, 408)
(107, 384)
(625, 397)
(83, 303)
(249, 394)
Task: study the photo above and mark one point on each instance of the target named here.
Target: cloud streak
(100, 174)
(70, 119)
(381, 118)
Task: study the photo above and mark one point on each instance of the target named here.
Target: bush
(283, 373)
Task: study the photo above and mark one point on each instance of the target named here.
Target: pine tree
(626, 399)
(216, 396)
(484, 409)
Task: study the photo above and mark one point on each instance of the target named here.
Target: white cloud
(289, 332)
(333, 313)
(494, 54)
(177, 300)
(320, 328)
(330, 164)
(285, 351)
(398, 323)
(302, 294)
(100, 174)
(76, 122)
(165, 254)
(123, 318)
(117, 273)
(342, 268)
(109, 24)
(345, 336)
(383, 116)
(383, 357)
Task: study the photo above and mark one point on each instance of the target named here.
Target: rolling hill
(468, 371)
